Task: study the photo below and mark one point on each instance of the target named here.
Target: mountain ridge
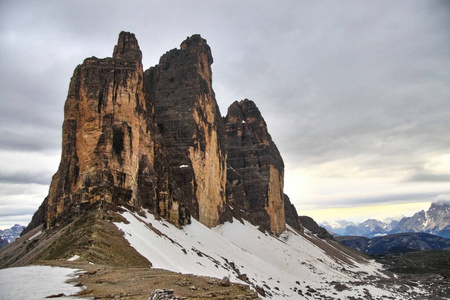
(155, 139)
(436, 220)
(10, 234)
(396, 243)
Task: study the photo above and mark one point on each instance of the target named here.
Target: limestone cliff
(156, 139)
(190, 123)
(255, 169)
(109, 140)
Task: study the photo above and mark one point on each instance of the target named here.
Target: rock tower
(156, 140)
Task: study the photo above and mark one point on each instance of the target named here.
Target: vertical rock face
(255, 169)
(190, 123)
(291, 215)
(108, 137)
(157, 140)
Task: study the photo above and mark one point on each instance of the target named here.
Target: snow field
(36, 282)
(282, 266)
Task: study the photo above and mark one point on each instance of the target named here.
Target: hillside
(276, 267)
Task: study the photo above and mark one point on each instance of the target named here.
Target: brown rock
(225, 281)
(157, 140)
(291, 214)
(102, 134)
(191, 126)
(255, 169)
(111, 151)
(311, 225)
(163, 294)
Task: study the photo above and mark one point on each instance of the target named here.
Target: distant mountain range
(9, 235)
(436, 220)
(395, 243)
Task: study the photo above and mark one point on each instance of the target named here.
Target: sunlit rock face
(105, 134)
(255, 169)
(110, 142)
(156, 140)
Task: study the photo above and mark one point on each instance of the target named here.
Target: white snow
(74, 258)
(380, 234)
(36, 282)
(282, 265)
(35, 235)
(426, 221)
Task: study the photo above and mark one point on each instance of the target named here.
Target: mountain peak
(156, 140)
(197, 44)
(256, 173)
(127, 47)
(440, 203)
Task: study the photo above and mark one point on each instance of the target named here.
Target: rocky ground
(119, 272)
(429, 270)
(105, 282)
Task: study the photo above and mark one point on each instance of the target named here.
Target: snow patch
(36, 282)
(74, 258)
(35, 235)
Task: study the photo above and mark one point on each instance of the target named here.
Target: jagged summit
(156, 140)
(196, 43)
(190, 123)
(127, 47)
(255, 168)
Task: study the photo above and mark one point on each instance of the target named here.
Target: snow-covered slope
(278, 268)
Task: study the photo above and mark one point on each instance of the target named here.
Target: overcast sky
(356, 94)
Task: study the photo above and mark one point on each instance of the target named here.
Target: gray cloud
(8, 211)
(333, 81)
(30, 177)
(383, 200)
(429, 177)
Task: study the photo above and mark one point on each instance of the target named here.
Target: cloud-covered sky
(356, 94)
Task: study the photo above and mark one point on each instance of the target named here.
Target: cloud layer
(356, 95)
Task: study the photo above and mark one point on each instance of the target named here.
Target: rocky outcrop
(255, 169)
(156, 139)
(191, 126)
(311, 225)
(101, 133)
(291, 215)
(110, 141)
(163, 295)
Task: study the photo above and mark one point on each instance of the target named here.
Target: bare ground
(105, 282)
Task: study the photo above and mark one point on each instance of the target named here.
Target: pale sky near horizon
(356, 94)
